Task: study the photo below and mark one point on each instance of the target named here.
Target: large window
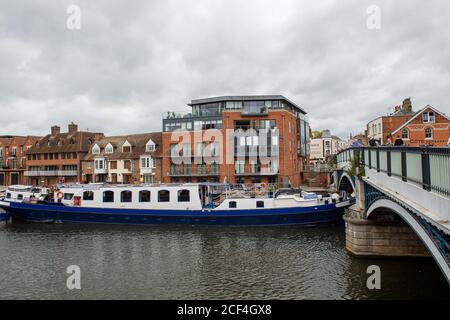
(144, 196)
(108, 196)
(428, 133)
(88, 195)
(163, 196)
(126, 196)
(184, 196)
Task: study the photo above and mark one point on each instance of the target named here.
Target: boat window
(19, 197)
(144, 196)
(184, 196)
(260, 204)
(163, 196)
(108, 196)
(126, 196)
(68, 196)
(232, 204)
(8, 196)
(88, 195)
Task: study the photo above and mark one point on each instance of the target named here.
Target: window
(109, 148)
(113, 164)
(126, 149)
(260, 204)
(96, 149)
(88, 195)
(88, 165)
(184, 196)
(163, 196)
(428, 133)
(68, 196)
(8, 196)
(232, 204)
(144, 196)
(108, 196)
(405, 134)
(428, 117)
(126, 196)
(146, 162)
(20, 196)
(150, 147)
(127, 164)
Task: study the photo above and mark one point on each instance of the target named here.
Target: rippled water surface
(127, 262)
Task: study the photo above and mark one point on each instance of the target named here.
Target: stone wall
(385, 237)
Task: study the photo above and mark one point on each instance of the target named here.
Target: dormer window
(49, 144)
(150, 146)
(59, 143)
(109, 148)
(126, 147)
(37, 144)
(96, 149)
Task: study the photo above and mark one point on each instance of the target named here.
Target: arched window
(126, 196)
(232, 204)
(144, 196)
(428, 133)
(108, 196)
(88, 195)
(184, 196)
(405, 134)
(163, 196)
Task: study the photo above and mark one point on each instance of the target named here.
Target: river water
(131, 262)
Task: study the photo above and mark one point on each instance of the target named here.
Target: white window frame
(96, 149)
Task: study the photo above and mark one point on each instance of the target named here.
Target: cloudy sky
(132, 60)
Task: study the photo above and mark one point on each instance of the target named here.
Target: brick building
(13, 158)
(124, 159)
(428, 127)
(237, 139)
(56, 158)
(380, 128)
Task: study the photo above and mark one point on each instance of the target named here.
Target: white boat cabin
(178, 197)
(19, 193)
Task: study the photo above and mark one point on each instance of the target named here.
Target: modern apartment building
(13, 158)
(236, 139)
(56, 158)
(129, 159)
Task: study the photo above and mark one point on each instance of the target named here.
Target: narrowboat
(180, 204)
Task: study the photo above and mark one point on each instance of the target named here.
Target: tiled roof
(137, 141)
(79, 141)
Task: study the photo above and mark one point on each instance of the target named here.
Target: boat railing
(259, 190)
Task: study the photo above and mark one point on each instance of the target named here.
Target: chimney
(407, 105)
(55, 130)
(397, 109)
(73, 128)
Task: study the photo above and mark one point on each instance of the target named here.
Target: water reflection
(132, 262)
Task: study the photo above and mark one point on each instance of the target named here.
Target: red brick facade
(433, 129)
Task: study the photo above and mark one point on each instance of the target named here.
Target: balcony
(177, 115)
(251, 111)
(202, 171)
(51, 173)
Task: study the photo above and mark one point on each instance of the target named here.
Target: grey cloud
(133, 60)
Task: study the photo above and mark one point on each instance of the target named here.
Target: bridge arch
(346, 183)
(417, 227)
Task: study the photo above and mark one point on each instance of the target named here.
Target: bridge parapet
(417, 177)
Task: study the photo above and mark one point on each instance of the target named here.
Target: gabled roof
(79, 141)
(137, 141)
(418, 113)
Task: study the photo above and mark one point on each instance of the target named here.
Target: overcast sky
(133, 60)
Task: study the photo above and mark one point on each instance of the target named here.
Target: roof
(79, 141)
(137, 141)
(245, 98)
(418, 113)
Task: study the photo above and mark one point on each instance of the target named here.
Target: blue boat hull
(323, 214)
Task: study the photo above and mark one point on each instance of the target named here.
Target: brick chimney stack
(55, 130)
(73, 128)
(407, 105)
